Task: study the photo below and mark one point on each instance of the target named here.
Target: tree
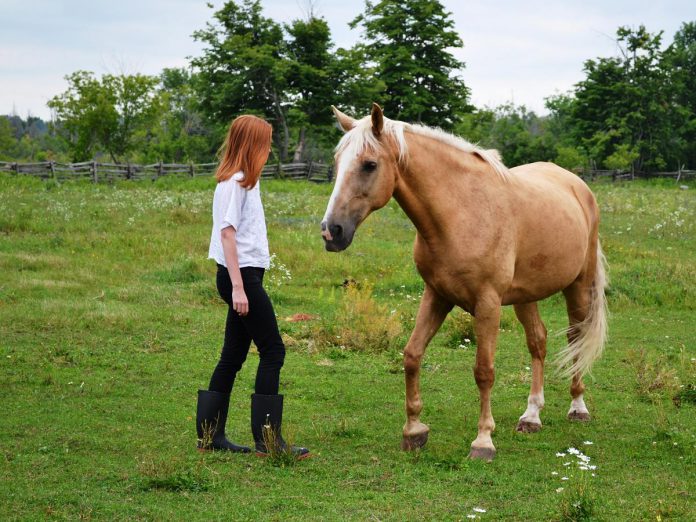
(110, 115)
(180, 133)
(310, 81)
(409, 42)
(623, 108)
(242, 69)
(7, 140)
(518, 134)
(680, 60)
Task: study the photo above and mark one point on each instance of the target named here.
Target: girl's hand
(239, 300)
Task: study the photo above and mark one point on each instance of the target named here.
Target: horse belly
(457, 277)
(551, 254)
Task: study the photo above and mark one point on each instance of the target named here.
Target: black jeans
(259, 325)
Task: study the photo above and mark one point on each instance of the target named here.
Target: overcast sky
(513, 50)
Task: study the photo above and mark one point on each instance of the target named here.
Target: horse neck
(438, 181)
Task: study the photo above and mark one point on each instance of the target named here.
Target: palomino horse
(486, 237)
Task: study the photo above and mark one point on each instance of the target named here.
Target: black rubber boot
(211, 417)
(268, 410)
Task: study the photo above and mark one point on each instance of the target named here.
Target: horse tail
(590, 335)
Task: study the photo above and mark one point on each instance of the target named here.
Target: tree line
(633, 111)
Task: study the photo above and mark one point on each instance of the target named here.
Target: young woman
(239, 245)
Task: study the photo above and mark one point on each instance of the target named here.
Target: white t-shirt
(235, 206)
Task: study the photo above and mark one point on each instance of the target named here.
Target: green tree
(517, 133)
(243, 69)
(409, 41)
(623, 108)
(180, 133)
(110, 115)
(310, 79)
(680, 60)
(7, 140)
(357, 82)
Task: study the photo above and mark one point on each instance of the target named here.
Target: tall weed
(361, 323)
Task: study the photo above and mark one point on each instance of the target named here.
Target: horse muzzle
(337, 237)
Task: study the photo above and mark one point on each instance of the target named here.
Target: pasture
(109, 323)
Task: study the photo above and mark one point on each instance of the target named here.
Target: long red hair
(245, 148)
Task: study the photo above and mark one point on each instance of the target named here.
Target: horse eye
(369, 166)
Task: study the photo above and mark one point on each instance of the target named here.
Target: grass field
(109, 322)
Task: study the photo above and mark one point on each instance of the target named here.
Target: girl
(239, 245)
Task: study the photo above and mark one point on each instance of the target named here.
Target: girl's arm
(229, 247)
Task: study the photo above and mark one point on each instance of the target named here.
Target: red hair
(245, 148)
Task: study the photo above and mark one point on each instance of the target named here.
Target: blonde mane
(361, 138)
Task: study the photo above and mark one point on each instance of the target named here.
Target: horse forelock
(361, 138)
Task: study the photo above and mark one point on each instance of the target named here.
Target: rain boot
(267, 410)
(211, 417)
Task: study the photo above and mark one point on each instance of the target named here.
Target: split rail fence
(623, 175)
(317, 172)
(98, 172)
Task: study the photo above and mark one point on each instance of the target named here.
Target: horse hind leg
(432, 312)
(535, 332)
(587, 332)
(577, 302)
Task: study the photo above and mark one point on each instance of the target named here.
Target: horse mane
(361, 138)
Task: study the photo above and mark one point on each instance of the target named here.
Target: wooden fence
(108, 172)
(318, 172)
(623, 175)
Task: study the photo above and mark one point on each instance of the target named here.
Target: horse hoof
(528, 427)
(580, 416)
(485, 454)
(414, 442)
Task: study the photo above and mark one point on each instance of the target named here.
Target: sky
(514, 51)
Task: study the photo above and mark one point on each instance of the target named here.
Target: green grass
(109, 322)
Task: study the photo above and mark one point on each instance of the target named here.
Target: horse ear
(377, 119)
(495, 154)
(344, 121)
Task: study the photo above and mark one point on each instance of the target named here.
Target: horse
(487, 236)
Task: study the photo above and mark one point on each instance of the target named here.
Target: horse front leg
(487, 323)
(431, 313)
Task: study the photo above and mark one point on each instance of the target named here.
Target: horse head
(367, 166)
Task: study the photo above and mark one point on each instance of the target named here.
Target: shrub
(361, 324)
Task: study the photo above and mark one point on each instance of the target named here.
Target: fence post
(15, 166)
(93, 168)
(160, 170)
(52, 168)
(191, 168)
(329, 174)
(129, 174)
(309, 169)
